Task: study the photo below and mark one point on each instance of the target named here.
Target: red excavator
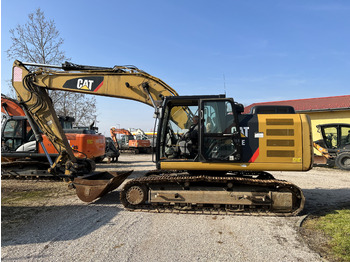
(129, 143)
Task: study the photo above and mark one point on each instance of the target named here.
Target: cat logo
(84, 84)
(92, 83)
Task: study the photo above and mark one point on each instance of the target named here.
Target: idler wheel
(133, 195)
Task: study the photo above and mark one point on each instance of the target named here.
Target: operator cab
(17, 134)
(199, 129)
(335, 136)
(16, 131)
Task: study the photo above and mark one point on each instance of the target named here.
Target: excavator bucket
(93, 186)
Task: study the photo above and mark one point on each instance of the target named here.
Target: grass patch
(21, 196)
(335, 226)
(32, 193)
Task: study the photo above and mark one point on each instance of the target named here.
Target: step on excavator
(210, 157)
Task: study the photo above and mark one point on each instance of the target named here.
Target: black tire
(99, 159)
(343, 161)
(330, 163)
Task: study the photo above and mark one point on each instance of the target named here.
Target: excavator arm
(31, 86)
(120, 131)
(114, 132)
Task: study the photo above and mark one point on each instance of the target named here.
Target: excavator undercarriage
(236, 193)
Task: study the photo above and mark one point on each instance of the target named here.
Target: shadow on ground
(56, 223)
(325, 199)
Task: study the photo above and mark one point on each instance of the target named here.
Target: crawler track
(137, 194)
(31, 170)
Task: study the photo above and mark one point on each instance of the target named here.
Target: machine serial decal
(85, 83)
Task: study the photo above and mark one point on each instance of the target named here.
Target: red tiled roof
(310, 104)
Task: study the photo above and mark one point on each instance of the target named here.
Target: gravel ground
(71, 230)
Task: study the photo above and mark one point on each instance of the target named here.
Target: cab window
(345, 136)
(331, 137)
(219, 131)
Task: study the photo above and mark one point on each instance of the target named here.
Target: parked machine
(335, 144)
(209, 156)
(112, 151)
(151, 136)
(23, 155)
(129, 143)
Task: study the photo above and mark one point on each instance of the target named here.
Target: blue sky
(254, 51)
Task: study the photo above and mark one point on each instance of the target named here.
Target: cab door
(220, 139)
(13, 134)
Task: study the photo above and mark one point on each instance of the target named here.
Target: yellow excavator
(210, 157)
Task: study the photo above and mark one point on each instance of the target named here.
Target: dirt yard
(44, 221)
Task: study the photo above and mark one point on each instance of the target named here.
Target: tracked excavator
(210, 157)
(130, 143)
(151, 136)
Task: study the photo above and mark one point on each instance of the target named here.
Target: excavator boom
(126, 82)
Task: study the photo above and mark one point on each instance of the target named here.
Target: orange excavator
(21, 154)
(129, 143)
(150, 135)
(10, 107)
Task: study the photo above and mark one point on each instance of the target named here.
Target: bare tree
(79, 106)
(39, 41)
